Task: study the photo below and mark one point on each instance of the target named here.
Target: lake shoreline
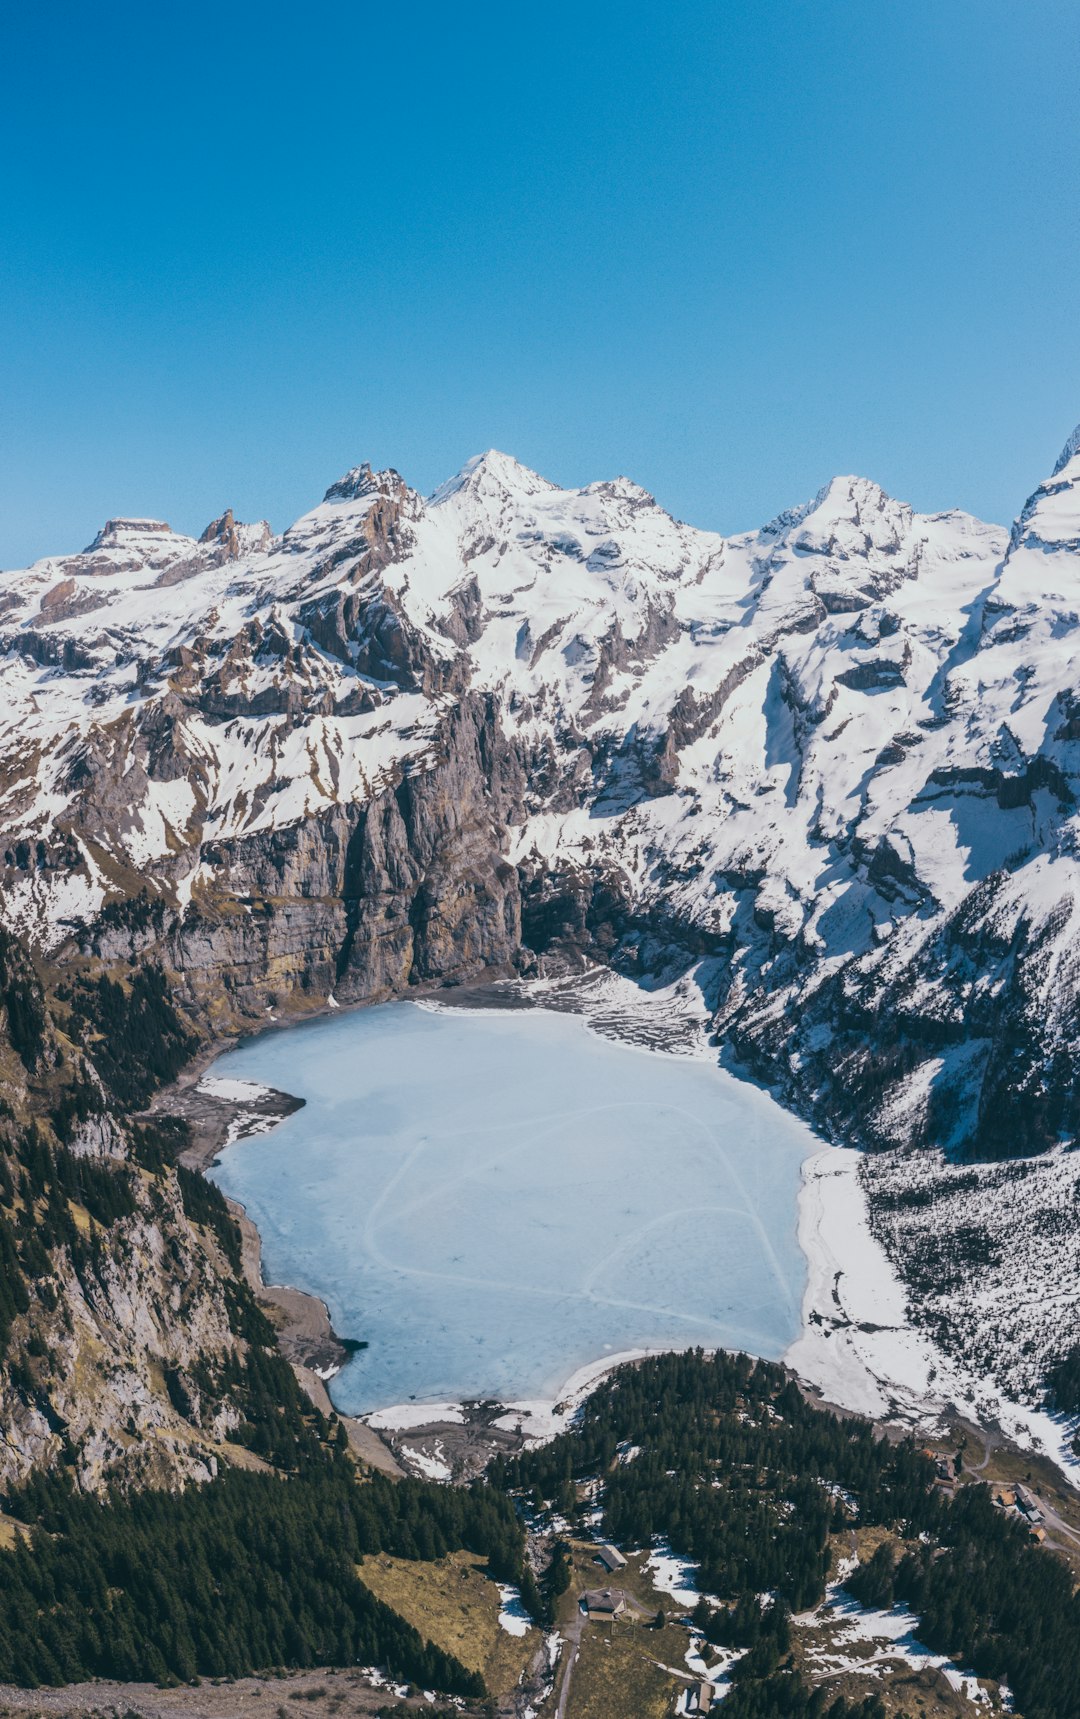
(301, 1319)
(499, 1196)
(856, 1351)
(398, 1437)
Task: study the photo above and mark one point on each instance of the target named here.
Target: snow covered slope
(831, 767)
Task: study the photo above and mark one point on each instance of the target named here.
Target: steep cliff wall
(359, 901)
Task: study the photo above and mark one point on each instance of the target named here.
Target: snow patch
(405, 1415)
(513, 1617)
(673, 1575)
(232, 1090)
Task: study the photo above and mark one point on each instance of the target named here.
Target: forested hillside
(723, 1458)
(211, 1522)
(247, 1573)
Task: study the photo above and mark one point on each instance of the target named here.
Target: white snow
(233, 1090)
(891, 1636)
(541, 1418)
(858, 1343)
(673, 1575)
(431, 1464)
(713, 1664)
(403, 1415)
(513, 1617)
(855, 1344)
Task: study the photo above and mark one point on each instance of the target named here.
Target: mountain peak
(233, 538)
(219, 528)
(848, 490)
(623, 489)
(492, 473)
(1068, 452)
(361, 481)
(118, 533)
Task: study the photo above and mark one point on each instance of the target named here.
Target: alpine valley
(814, 788)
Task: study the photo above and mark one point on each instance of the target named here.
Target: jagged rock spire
(1069, 451)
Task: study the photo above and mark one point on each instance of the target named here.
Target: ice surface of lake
(492, 1200)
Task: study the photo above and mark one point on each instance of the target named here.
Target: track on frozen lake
(490, 1200)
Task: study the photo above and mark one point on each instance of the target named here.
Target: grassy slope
(455, 1604)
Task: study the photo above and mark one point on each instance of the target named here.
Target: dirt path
(570, 1653)
(1053, 1520)
(989, 1446)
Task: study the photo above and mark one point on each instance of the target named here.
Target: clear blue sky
(727, 248)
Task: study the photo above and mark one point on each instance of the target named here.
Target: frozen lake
(492, 1200)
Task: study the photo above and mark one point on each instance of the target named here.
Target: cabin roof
(609, 1600)
(611, 1556)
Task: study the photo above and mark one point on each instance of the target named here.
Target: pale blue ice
(492, 1200)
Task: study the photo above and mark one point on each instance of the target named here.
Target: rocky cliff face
(356, 901)
(92, 1388)
(829, 768)
(118, 1307)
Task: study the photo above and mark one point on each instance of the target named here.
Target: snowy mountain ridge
(829, 769)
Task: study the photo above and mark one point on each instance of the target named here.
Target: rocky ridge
(829, 769)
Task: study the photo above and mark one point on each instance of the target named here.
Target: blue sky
(728, 249)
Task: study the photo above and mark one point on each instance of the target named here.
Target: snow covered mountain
(830, 768)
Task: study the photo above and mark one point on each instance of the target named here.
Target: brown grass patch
(456, 1605)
